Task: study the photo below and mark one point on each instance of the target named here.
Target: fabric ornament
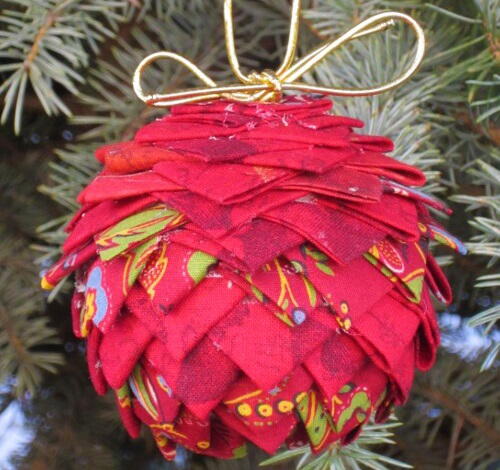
(255, 271)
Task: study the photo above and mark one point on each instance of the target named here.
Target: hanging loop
(269, 85)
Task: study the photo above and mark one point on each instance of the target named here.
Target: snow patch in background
(459, 338)
(15, 435)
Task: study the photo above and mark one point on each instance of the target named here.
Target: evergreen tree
(65, 85)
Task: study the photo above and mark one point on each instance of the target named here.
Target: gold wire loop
(269, 85)
(271, 80)
(291, 48)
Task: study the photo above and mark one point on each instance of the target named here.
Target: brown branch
(452, 404)
(492, 133)
(494, 45)
(50, 19)
(311, 27)
(14, 340)
(356, 18)
(455, 437)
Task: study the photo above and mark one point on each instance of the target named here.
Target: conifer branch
(450, 402)
(46, 44)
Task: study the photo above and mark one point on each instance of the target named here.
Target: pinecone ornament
(254, 272)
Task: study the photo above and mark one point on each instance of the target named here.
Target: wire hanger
(269, 85)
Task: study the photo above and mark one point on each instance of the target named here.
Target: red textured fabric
(254, 272)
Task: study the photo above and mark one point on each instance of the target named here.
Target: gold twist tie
(269, 85)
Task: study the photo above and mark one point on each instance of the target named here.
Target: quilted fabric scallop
(254, 272)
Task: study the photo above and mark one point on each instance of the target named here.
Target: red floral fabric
(254, 272)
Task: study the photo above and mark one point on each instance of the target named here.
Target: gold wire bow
(269, 85)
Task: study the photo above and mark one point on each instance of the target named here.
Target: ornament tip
(45, 284)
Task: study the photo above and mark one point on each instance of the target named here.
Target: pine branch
(46, 43)
(450, 402)
(29, 346)
(486, 240)
(26, 341)
(354, 456)
(454, 391)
